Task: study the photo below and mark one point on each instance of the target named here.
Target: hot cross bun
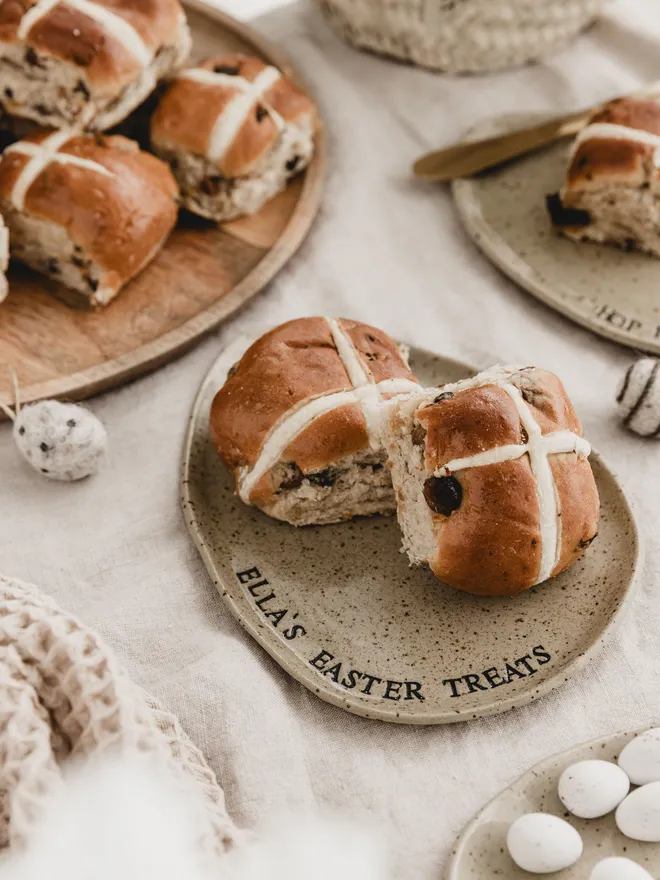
(299, 419)
(234, 131)
(86, 62)
(494, 488)
(612, 192)
(88, 211)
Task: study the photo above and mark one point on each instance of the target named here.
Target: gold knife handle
(465, 159)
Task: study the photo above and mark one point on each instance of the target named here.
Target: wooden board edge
(158, 352)
(246, 32)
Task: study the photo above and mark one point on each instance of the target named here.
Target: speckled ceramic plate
(480, 852)
(612, 293)
(340, 610)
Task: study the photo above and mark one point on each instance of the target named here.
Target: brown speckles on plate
(481, 854)
(350, 589)
(604, 288)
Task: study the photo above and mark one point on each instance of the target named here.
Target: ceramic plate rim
(454, 864)
(281, 654)
(557, 296)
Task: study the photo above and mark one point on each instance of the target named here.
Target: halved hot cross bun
(86, 62)
(494, 488)
(298, 421)
(88, 211)
(612, 192)
(234, 131)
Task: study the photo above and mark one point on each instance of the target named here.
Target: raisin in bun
(612, 191)
(298, 421)
(494, 487)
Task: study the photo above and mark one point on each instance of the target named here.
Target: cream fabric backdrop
(115, 551)
(248, 8)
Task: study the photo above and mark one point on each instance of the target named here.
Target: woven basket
(462, 35)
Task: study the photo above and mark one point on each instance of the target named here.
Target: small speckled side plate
(340, 610)
(480, 852)
(609, 291)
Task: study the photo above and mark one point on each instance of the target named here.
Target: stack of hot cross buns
(321, 420)
(91, 210)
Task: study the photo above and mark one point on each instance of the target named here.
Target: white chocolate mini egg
(590, 789)
(638, 817)
(60, 440)
(542, 843)
(619, 869)
(640, 759)
(638, 397)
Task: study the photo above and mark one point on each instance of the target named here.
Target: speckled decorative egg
(619, 869)
(638, 817)
(60, 440)
(590, 789)
(638, 397)
(640, 759)
(541, 843)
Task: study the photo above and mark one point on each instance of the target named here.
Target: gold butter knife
(466, 159)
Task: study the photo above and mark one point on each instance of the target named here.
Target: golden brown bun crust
(580, 507)
(631, 112)
(69, 35)
(600, 161)
(499, 521)
(187, 113)
(498, 517)
(331, 437)
(118, 220)
(287, 366)
(454, 432)
(378, 351)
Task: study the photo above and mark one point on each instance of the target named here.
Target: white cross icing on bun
(494, 488)
(41, 155)
(539, 448)
(299, 420)
(230, 120)
(365, 392)
(115, 25)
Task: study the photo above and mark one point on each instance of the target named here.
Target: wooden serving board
(202, 275)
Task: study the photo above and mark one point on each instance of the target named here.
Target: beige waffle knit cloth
(63, 695)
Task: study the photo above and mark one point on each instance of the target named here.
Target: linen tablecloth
(114, 549)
